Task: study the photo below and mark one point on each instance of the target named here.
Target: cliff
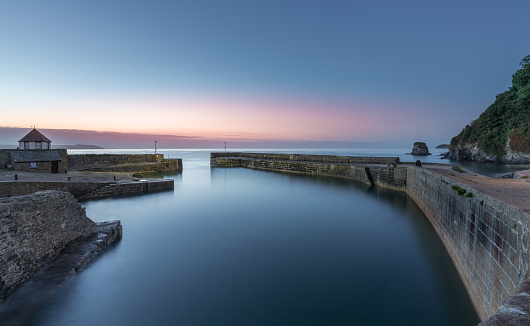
(501, 134)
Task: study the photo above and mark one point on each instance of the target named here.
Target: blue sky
(238, 70)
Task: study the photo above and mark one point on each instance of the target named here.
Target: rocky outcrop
(420, 148)
(471, 152)
(33, 231)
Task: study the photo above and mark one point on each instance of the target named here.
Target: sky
(199, 73)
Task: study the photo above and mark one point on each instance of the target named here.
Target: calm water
(245, 247)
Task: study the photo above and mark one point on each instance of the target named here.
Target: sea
(235, 246)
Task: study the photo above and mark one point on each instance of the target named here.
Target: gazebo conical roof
(35, 136)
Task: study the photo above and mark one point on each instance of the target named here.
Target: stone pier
(484, 223)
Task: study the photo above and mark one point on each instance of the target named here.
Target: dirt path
(515, 192)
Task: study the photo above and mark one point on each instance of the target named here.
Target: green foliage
(459, 191)
(519, 140)
(421, 145)
(458, 169)
(507, 117)
(470, 195)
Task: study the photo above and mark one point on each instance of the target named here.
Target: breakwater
(383, 171)
(78, 161)
(123, 163)
(487, 239)
(86, 189)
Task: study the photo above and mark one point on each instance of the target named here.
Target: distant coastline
(77, 146)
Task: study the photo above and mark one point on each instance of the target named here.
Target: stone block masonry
(33, 230)
(123, 163)
(87, 161)
(86, 189)
(487, 239)
(376, 170)
(165, 165)
(218, 157)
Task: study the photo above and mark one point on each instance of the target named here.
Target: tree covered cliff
(508, 118)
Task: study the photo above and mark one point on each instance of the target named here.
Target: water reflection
(246, 247)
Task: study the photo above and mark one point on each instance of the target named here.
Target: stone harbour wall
(129, 188)
(86, 189)
(305, 158)
(86, 161)
(165, 165)
(5, 158)
(487, 239)
(33, 230)
(382, 174)
(20, 188)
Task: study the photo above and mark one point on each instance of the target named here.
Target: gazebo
(34, 140)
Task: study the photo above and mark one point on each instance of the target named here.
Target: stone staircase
(369, 175)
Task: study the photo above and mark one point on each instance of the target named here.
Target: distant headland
(501, 134)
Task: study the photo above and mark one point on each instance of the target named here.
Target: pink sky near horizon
(216, 118)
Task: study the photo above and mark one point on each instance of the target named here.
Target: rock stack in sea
(420, 148)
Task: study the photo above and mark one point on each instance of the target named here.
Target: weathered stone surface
(78, 253)
(471, 152)
(233, 156)
(86, 189)
(336, 166)
(20, 188)
(33, 230)
(86, 161)
(20, 159)
(503, 319)
(483, 235)
(165, 165)
(420, 148)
